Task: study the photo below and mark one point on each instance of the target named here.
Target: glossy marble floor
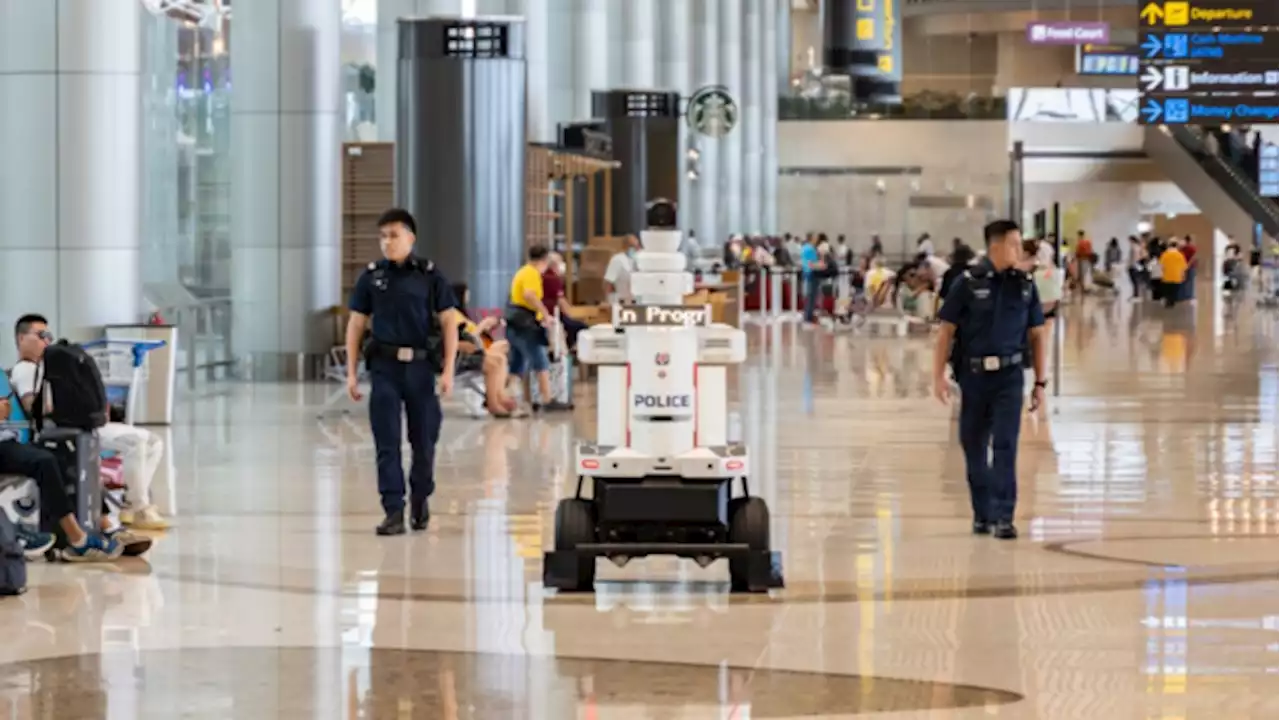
(1145, 584)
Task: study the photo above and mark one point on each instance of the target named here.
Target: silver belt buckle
(991, 363)
(404, 354)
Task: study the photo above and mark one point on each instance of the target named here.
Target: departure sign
(1208, 13)
(1208, 61)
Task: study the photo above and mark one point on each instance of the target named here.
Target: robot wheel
(575, 525)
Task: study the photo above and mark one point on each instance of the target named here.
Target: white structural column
(640, 44)
(70, 163)
(676, 74)
(537, 62)
(729, 189)
(754, 58)
(549, 64)
(706, 41)
(592, 71)
(776, 31)
(284, 180)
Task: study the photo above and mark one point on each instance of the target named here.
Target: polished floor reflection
(1144, 586)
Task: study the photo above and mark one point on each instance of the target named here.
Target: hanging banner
(863, 39)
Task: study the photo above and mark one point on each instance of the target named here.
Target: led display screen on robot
(661, 316)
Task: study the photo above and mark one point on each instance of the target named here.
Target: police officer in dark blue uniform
(414, 337)
(991, 320)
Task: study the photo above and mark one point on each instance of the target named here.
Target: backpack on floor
(13, 565)
(79, 395)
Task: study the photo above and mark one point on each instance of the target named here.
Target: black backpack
(79, 396)
(13, 565)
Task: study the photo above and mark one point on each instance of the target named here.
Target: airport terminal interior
(829, 167)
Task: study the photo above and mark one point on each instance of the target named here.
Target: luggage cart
(123, 365)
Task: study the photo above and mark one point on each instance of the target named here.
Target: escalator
(1222, 191)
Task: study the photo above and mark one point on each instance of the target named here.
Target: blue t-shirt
(808, 258)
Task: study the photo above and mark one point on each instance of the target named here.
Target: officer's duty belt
(381, 351)
(993, 363)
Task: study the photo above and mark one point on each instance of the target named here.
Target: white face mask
(559, 268)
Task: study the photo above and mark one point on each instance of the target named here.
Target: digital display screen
(1106, 60)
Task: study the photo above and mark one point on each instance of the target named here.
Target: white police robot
(662, 473)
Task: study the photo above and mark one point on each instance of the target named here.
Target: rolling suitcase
(78, 453)
(13, 564)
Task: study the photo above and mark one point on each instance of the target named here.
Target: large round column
(592, 42)
(729, 191)
(754, 57)
(706, 19)
(460, 148)
(389, 12)
(285, 115)
(640, 46)
(676, 75)
(777, 67)
(70, 174)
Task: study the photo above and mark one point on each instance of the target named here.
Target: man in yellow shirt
(527, 320)
(1173, 271)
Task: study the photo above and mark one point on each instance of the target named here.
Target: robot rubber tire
(565, 569)
(749, 524)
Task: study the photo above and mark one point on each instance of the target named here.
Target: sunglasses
(44, 335)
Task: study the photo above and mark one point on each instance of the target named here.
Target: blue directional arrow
(1152, 111)
(1153, 46)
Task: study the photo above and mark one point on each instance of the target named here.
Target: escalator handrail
(1228, 177)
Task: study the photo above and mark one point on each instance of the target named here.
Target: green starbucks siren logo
(712, 111)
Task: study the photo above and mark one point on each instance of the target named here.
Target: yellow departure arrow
(1151, 13)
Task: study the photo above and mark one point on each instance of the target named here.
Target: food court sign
(1068, 33)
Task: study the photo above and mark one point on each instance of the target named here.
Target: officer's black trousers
(411, 386)
(990, 419)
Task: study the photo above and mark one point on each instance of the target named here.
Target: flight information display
(1208, 62)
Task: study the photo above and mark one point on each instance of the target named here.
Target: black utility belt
(382, 351)
(994, 363)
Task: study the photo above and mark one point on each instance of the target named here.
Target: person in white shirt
(617, 275)
(925, 244)
(140, 450)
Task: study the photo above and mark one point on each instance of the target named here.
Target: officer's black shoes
(1004, 530)
(981, 527)
(421, 516)
(392, 524)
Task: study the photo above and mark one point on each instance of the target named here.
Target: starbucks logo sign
(712, 111)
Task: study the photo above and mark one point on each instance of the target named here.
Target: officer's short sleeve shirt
(404, 301)
(992, 316)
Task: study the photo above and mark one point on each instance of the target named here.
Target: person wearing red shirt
(553, 296)
(1188, 250)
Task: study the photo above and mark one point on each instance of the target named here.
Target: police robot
(662, 474)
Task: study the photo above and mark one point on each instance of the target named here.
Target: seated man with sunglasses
(141, 450)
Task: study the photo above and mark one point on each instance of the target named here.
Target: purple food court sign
(1068, 33)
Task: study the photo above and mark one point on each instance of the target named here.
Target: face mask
(560, 268)
(631, 252)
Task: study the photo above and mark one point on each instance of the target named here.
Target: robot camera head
(661, 215)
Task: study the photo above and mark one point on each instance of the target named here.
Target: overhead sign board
(1068, 33)
(1208, 61)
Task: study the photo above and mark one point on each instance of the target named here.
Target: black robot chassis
(697, 519)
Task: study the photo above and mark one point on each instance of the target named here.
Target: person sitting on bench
(479, 351)
(55, 507)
